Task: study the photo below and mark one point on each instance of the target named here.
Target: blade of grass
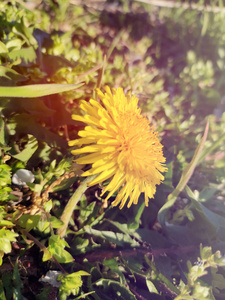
(36, 90)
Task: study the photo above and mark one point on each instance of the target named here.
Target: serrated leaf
(27, 54)
(117, 238)
(37, 90)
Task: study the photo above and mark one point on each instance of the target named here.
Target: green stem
(68, 211)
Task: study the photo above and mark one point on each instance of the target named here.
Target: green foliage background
(173, 60)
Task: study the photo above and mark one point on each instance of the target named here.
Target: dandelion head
(121, 146)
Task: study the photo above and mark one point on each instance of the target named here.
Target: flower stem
(67, 213)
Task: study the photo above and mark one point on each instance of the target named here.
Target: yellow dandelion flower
(121, 146)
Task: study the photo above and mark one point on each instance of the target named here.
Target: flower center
(134, 143)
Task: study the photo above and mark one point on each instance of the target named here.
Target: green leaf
(65, 184)
(158, 277)
(6, 237)
(125, 229)
(3, 48)
(17, 283)
(10, 77)
(44, 227)
(44, 295)
(24, 31)
(110, 289)
(80, 245)
(46, 256)
(5, 175)
(28, 222)
(7, 283)
(218, 282)
(151, 286)
(117, 238)
(37, 90)
(2, 293)
(27, 54)
(86, 211)
(6, 223)
(52, 64)
(56, 248)
(55, 223)
(214, 220)
(186, 175)
(28, 150)
(113, 265)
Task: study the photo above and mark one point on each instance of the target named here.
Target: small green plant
(196, 288)
(70, 284)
